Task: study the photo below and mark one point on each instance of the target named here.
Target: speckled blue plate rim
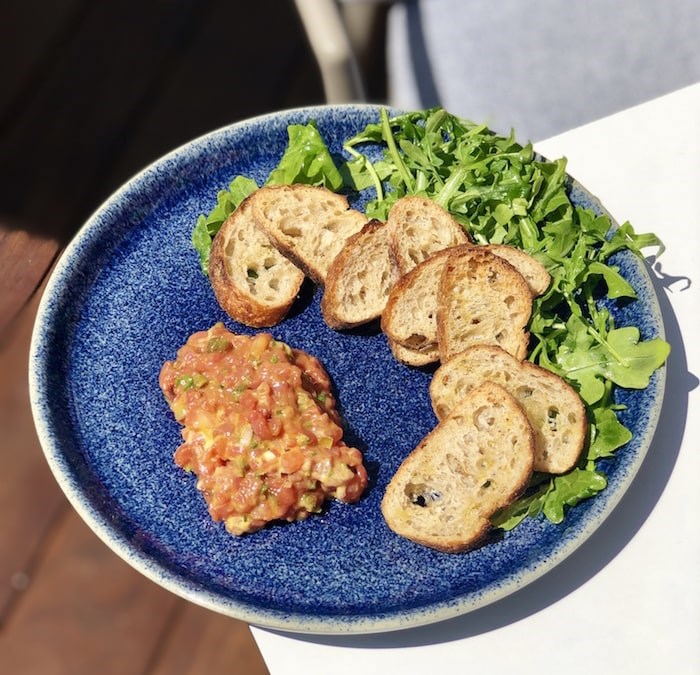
(61, 442)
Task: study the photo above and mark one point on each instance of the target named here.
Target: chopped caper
(218, 344)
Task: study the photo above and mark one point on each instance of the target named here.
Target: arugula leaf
(620, 358)
(618, 287)
(625, 237)
(227, 201)
(529, 506)
(569, 489)
(306, 159)
(608, 434)
(552, 497)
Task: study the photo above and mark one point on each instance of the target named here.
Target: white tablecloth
(627, 601)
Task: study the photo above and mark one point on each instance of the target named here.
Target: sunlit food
(260, 429)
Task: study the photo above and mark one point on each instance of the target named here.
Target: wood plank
(24, 260)
(201, 641)
(86, 611)
(29, 496)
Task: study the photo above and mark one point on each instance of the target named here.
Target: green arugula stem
(602, 341)
(595, 334)
(376, 181)
(451, 186)
(394, 152)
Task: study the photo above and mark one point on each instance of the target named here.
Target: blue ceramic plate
(128, 292)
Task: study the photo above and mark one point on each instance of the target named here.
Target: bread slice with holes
(308, 224)
(410, 316)
(533, 271)
(252, 281)
(360, 278)
(419, 227)
(476, 461)
(554, 409)
(483, 299)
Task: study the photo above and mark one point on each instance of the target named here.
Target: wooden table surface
(94, 93)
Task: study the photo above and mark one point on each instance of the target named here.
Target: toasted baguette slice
(555, 410)
(534, 272)
(308, 224)
(483, 299)
(414, 357)
(477, 460)
(419, 227)
(410, 316)
(360, 278)
(252, 281)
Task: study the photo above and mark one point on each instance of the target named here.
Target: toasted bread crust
(477, 460)
(483, 299)
(308, 224)
(413, 357)
(533, 271)
(253, 283)
(419, 227)
(410, 316)
(555, 410)
(360, 278)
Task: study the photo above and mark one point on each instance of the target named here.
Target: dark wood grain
(25, 258)
(85, 611)
(30, 500)
(200, 641)
(32, 32)
(79, 111)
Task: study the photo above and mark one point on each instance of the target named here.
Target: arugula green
(305, 160)
(227, 201)
(501, 192)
